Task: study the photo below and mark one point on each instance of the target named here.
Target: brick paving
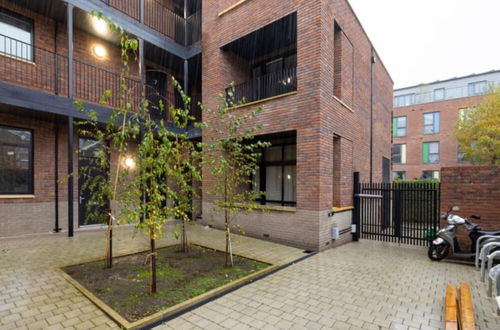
(366, 285)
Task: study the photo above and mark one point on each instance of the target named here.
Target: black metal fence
(265, 86)
(405, 212)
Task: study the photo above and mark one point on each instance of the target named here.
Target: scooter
(445, 244)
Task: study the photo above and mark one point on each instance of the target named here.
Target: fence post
(355, 213)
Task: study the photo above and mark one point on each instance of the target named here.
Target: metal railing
(265, 86)
(17, 66)
(90, 82)
(162, 19)
(48, 72)
(130, 8)
(427, 95)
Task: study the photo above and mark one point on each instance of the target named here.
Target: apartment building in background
(424, 120)
(325, 92)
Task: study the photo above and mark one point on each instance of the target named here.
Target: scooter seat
(492, 232)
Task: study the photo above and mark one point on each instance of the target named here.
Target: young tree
(478, 132)
(161, 189)
(232, 160)
(100, 179)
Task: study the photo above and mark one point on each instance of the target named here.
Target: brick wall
(415, 134)
(476, 190)
(313, 112)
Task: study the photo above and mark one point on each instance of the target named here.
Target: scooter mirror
(455, 208)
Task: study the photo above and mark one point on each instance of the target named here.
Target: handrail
(265, 86)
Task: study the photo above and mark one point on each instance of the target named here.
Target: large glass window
(430, 152)
(277, 174)
(431, 123)
(399, 153)
(477, 88)
(439, 94)
(404, 100)
(16, 35)
(16, 161)
(399, 126)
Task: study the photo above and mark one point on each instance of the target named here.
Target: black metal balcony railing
(162, 19)
(22, 64)
(265, 86)
(17, 66)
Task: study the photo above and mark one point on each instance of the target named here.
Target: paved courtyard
(365, 285)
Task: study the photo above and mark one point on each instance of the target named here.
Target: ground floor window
(16, 161)
(430, 175)
(399, 175)
(277, 170)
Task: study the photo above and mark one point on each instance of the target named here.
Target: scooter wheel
(438, 252)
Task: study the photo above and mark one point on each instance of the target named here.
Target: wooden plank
(466, 308)
(450, 308)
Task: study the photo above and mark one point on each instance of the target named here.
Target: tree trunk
(152, 267)
(184, 240)
(108, 262)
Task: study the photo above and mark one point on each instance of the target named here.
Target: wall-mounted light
(100, 26)
(129, 163)
(99, 51)
(289, 177)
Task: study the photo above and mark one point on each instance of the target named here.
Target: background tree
(232, 160)
(478, 131)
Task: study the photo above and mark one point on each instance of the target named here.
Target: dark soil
(180, 276)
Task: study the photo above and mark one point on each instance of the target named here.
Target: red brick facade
(313, 112)
(476, 190)
(341, 110)
(415, 137)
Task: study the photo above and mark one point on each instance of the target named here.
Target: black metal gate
(406, 212)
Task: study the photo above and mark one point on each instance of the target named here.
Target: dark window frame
(400, 153)
(18, 22)
(31, 183)
(282, 163)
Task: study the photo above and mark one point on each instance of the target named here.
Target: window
(460, 155)
(430, 175)
(477, 88)
(16, 38)
(16, 161)
(404, 100)
(439, 94)
(399, 175)
(430, 152)
(399, 154)
(277, 173)
(399, 126)
(431, 123)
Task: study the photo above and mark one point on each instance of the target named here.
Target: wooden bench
(459, 311)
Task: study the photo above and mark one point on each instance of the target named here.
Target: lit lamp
(129, 163)
(100, 26)
(99, 51)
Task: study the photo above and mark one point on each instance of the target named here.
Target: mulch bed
(180, 277)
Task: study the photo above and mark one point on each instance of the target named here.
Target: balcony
(428, 94)
(24, 65)
(266, 86)
(162, 19)
(263, 63)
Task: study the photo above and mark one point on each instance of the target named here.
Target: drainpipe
(372, 66)
(56, 175)
(186, 63)
(70, 119)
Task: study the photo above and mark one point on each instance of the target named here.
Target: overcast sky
(426, 40)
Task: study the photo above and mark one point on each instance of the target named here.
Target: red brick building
(424, 119)
(325, 92)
